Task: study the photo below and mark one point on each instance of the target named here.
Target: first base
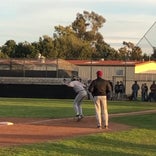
(6, 123)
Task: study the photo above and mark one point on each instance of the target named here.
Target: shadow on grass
(141, 121)
(99, 145)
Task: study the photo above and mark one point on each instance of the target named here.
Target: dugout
(36, 91)
(33, 78)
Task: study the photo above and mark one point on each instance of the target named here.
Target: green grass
(54, 108)
(37, 108)
(140, 141)
(137, 142)
(147, 121)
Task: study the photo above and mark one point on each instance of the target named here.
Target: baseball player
(79, 88)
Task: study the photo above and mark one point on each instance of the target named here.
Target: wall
(36, 91)
(110, 73)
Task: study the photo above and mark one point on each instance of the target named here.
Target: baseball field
(46, 127)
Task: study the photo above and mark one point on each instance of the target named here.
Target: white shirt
(77, 86)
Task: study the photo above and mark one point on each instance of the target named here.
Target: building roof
(102, 62)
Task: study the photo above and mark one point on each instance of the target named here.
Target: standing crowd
(147, 94)
(119, 90)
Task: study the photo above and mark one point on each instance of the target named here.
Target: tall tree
(46, 47)
(153, 56)
(130, 51)
(25, 50)
(87, 26)
(8, 49)
(69, 46)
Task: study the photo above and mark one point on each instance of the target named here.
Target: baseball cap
(99, 73)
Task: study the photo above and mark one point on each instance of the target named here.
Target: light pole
(91, 66)
(125, 71)
(91, 69)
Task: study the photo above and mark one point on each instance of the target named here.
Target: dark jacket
(100, 87)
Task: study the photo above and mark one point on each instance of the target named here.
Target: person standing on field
(117, 90)
(135, 89)
(99, 88)
(152, 95)
(121, 90)
(79, 88)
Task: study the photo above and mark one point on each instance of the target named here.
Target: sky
(27, 20)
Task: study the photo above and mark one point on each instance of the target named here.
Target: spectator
(152, 94)
(117, 90)
(135, 89)
(121, 90)
(144, 92)
(109, 93)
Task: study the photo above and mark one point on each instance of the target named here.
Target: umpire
(99, 88)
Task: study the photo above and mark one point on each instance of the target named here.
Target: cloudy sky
(27, 20)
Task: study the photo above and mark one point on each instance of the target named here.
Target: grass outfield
(140, 141)
(61, 108)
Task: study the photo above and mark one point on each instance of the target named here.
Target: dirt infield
(28, 130)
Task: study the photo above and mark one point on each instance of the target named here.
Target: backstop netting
(148, 42)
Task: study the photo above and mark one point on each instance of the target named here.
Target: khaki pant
(101, 110)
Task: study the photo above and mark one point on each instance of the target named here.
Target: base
(6, 123)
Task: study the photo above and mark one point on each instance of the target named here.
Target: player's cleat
(80, 117)
(76, 117)
(106, 127)
(99, 127)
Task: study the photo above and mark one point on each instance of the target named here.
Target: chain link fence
(47, 68)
